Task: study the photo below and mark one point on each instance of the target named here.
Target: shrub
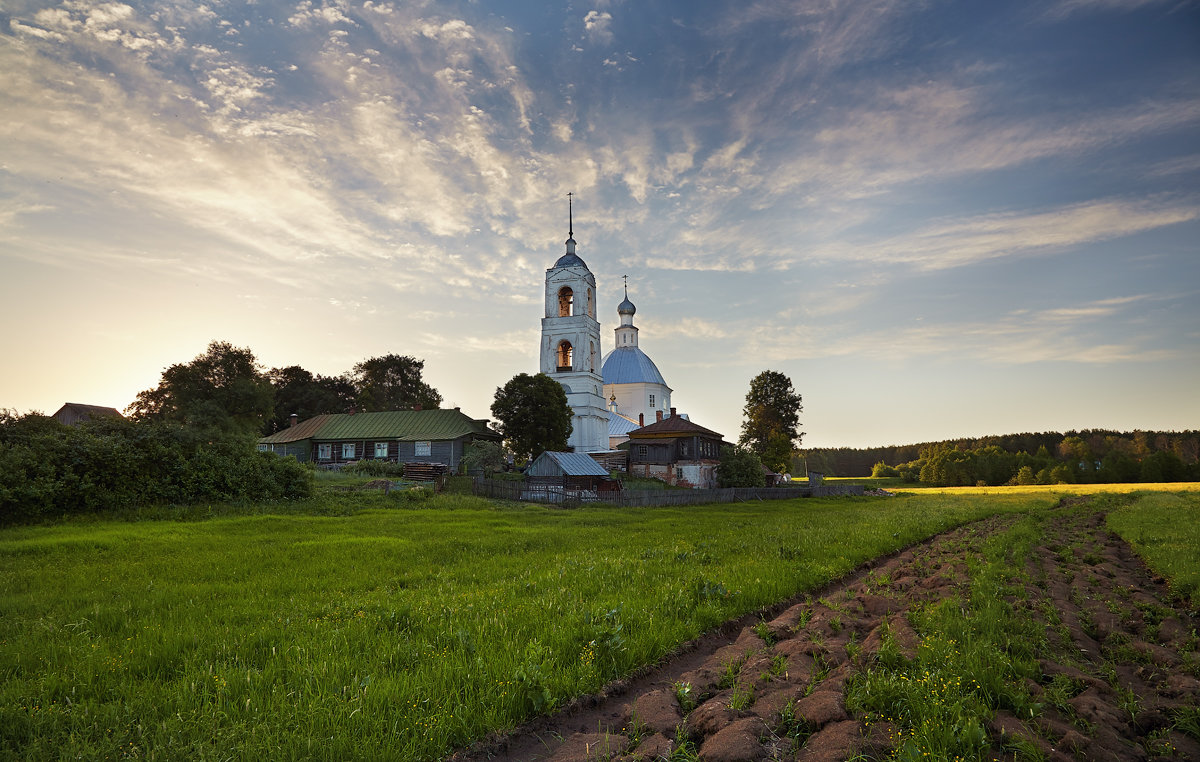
(484, 456)
(739, 468)
(49, 469)
(380, 468)
(882, 469)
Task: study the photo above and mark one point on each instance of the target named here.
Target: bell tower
(570, 348)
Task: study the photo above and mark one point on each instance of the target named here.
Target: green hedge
(48, 469)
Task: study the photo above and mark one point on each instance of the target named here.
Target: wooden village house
(398, 436)
(74, 413)
(676, 451)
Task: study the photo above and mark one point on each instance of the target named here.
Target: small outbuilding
(74, 413)
(572, 474)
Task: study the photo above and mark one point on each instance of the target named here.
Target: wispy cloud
(955, 243)
(1064, 8)
(1022, 337)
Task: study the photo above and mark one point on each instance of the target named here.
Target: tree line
(1087, 456)
(226, 389)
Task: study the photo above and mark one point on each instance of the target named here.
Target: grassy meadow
(364, 627)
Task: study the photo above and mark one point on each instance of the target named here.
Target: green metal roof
(395, 425)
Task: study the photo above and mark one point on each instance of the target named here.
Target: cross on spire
(626, 279)
(570, 217)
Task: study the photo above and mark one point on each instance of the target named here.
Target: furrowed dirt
(1118, 682)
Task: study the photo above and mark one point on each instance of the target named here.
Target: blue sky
(939, 219)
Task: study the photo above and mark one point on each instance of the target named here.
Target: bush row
(947, 465)
(49, 469)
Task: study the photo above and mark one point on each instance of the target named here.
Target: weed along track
(1022, 637)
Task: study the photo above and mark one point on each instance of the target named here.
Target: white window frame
(325, 451)
(381, 449)
(347, 451)
(422, 449)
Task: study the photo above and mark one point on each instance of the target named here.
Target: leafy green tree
(484, 456)
(1162, 466)
(740, 467)
(392, 382)
(533, 414)
(881, 470)
(772, 411)
(222, 391)
(299, 391)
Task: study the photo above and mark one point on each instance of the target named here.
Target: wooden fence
(559, 494)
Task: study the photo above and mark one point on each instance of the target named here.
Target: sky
(939, 219)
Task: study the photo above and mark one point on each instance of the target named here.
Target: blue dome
(630, 365)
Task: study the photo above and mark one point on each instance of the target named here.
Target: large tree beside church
(771, 429)
(533, 413)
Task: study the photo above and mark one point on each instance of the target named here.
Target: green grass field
(388, 627)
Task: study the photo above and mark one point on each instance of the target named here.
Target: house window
(564, 355)
(424, 449)
(566, 299)
(651, 400)
(324, 451)
(642, 449)
(348, 451)
(381, 449)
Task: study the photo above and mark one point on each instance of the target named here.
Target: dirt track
(1131, 662)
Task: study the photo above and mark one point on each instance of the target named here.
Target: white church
(609, 397)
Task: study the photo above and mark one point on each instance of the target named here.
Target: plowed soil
(1119, 634)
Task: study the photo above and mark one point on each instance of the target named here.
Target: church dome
(626, 307)
(570, 259)
(630, 365)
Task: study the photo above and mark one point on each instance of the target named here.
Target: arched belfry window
(566, 298)
(564, 355)
(591, 306)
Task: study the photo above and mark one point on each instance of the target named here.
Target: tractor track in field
(1122, 648)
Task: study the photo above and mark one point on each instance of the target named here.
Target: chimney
(292, 419)
(641, 419)
(657, 416)
(672, 412)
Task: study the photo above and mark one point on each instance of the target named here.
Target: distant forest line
(1090, 455)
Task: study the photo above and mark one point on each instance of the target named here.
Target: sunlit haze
(939, 219)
